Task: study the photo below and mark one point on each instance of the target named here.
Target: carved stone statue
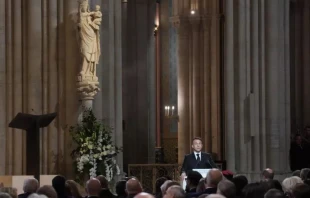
(89, 40)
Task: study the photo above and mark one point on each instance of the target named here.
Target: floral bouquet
(95, 152)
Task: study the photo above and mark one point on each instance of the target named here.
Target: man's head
(304, 173)
(197, 144)
(93, 187)
(298, 139)
(103, 182)
(226, 188)
(301, 191)
(48, 191)
(144, 195)
(296, 173)
(267, 174)
(289, 183)
(133, 187)
(175, 192)
(30, 185)
(274, 193)
(215, 196)
(213, 178)
(193, 178)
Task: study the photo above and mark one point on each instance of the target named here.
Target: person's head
(289, 183)
(59, 184)
(34, 195)
(226, 188)
(103, 181)
(304, 173)
(307, 131)
(267, 174)
(133, 187)
(163, 187)
(228, 174)
(159, 182)
(193, 178)
(97, 8)
(301, 191)
(120, 188)
(73, 187)
(274, 193)
(296, 173)
(298, 139)
(48, 191)
(240, 182)
(144, 195)
(30, 185)
(254, 190)
(213, 178)
(175, 192)
(10, 190)
(5, 195)
(172, 183)
(201, 186)
(93, 187)
(197, 144)
(215, 196)
(272, 184)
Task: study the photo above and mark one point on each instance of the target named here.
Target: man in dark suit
(30, 186)
(197, 159)
(93, 188)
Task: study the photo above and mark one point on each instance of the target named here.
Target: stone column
(257, 103)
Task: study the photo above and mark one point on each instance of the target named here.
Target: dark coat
(190, 162)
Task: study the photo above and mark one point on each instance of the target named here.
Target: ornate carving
(87, 87)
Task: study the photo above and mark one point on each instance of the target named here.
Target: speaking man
(197, 159)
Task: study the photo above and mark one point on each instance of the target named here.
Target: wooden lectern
(32, 125)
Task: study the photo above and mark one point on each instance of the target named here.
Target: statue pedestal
(87, 87)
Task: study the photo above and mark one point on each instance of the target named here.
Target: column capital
(181, 24)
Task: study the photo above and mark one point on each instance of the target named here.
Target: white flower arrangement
(95, 153)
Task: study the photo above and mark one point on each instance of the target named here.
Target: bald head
(215, 196)
(30, 185)
(268, 174)
(93, 187)
(103, 181)
(144, 195)
(213, 178)
(133, 186)
(175, 192)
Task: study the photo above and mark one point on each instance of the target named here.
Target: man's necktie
(198, 157)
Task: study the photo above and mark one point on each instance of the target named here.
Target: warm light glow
(193, 12)
(172, 107)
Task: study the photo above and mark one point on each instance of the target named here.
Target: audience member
(215, 196)
(11, 191)
(120, 189)
(267, 174)
(163, 187)
(48, 191)
(254, 190)
(228, 174)
(298, 154)
(301, 191)
(93, 188)
(35, 195)
(59, 184)
(272, 184)
(226, 188)
(144, 195)
(289, 183)
(133, 187)
(4, 195)
(192, 181)
(74, 189)
(175, 192)
(240, 182)
(274, 193)
(296, 173)
(159, 182)
(172, 183)
(304, 173)
(30, 186)
(105, 191)
(201, 186)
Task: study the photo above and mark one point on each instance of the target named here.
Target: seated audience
(301, 191)
(48, 191)
(105, 191)
(254, 190)
(93, 188)
(159, 182)
(296, 173)
(272, 184)
(30, 186)
(267, 174)
(215, 196)
(201, 186)
(163, 187)
(289, 183)
(133, 187)
(144, 195)
(228, 174)
(120, 189)
(304, 174)
(192, 181)
(175, 192)
(240, 182)
(11, 191)
(226, 188)
(73, 188)
(4, 195)
(59, 184)
(274, 193)
(34, 195)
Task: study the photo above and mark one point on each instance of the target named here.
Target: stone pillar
(182, 25)
(257, 108)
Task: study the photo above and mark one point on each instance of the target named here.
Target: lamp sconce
(155, 30)
(170, 112)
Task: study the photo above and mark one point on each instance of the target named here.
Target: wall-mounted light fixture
(170, 112)
(155, 30)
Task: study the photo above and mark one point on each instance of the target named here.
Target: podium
(203, 172)
(32, 125)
